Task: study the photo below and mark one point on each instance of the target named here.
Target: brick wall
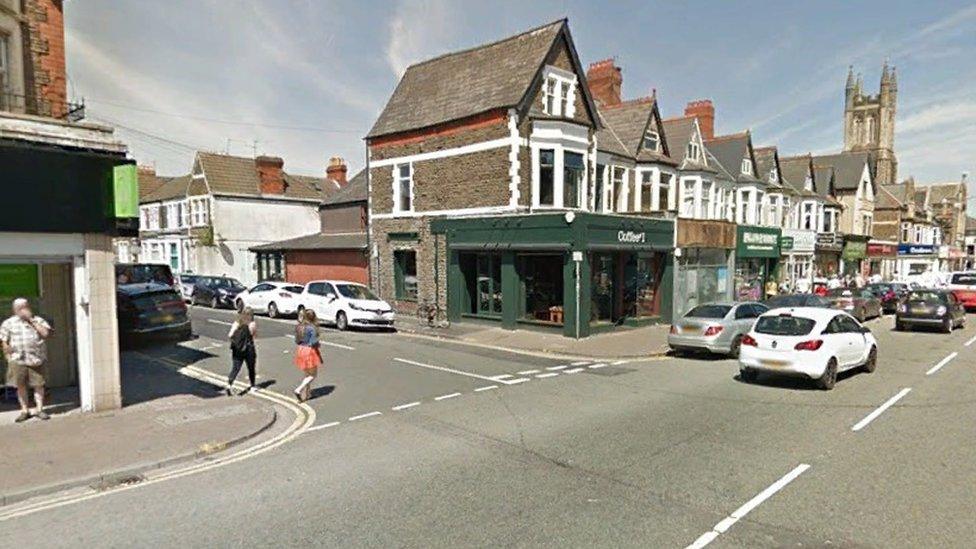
(45, 76)
(887, 225)
(302, 267)
(381, 269)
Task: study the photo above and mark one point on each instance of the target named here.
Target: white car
(806, 341)
(346, 304)
(272, 298)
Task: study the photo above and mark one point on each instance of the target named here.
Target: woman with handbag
(242, 349)
(307, 356)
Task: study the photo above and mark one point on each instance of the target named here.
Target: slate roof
(848, 167)
(623, 131)
(729, 150)
(794, 173)
(898, 192)
(354, 191)
(317, 241)
(238, 176)
(765, 161)
(171, 189)
(940, 191)
(887, 198)
(469, 82)
(678, 132)
(149, 182)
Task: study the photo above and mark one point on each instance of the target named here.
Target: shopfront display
(882, 259)
(826, 255)
(797, 247)
(703, 267)
(757, 255)
(852, 255)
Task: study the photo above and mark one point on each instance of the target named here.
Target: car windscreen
(228, 283)
(142, 274)
(355, 291)
(964, 279)
(293, 289)
(786, 301)
(188, 279)
(709, 311)
(928, 297)
(784, 325)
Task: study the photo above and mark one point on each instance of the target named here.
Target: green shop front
(580, 273)
(757, 253)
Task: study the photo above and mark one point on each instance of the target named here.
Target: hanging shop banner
(125, 190)
(801, 241)
(757, 242)
(20, 280)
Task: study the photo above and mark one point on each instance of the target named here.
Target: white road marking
(502, 377)
(528, 372)
(550, 374)
(574, 370)
(880, 410)
(338, 345)
(970, 342)
(445, 397)
(323, 426)
(215, 321)
(748, 506)
(941, 363)
(618, 362)
(486, 388)
(405, 406)
(553, 368)
(515, 381)
(595, 366)
(364, 416)
(584, 363)
(451, 370)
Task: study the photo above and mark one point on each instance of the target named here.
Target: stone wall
(429, 288)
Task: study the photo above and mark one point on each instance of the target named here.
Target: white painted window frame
(746, 166)
(564, 91)
(397, 180)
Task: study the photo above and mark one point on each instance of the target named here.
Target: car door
(259, 296)
(745, 317)
(856, 346)
(330, 303)
(312, 296)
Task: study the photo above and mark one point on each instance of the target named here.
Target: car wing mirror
(865, 330)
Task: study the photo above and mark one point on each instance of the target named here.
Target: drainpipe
(578, 315)
(437, 275)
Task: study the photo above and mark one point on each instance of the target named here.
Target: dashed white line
(486, 388)
(573, 370)
(549, 374)
(215, 321)
(554, 368)
(323, 426)
(528, 372)
(445, 397)
(406, 406)
(583, 363)
(880, 410)
(595, 366)
(338, 345)
(617, 362)
(941, 363)
(970, 342)
(515, 381)
(364, 416)
(450, 370)
(739, 513)
(500, 377)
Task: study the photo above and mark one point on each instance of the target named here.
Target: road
(654, 453)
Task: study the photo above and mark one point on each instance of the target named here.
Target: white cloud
(419, 29)
(961, 115)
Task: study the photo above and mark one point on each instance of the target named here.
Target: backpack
(241, 341)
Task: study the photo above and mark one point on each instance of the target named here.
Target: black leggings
(250, 359)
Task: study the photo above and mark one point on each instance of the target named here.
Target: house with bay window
(483, 196)
(813, 215)
(854, 188)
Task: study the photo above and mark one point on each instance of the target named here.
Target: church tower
(869, 122)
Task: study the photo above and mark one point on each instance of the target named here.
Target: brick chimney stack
(337, 170)
(704, 111)
(605, 80)
(46, 77)
(271, 174)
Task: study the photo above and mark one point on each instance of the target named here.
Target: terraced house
(484, 201)
(853, 186)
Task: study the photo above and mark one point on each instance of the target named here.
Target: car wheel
(872, 362)
(748, 375)
(829, 377)
(947, 325)
(735, 347)
(272, 310)
(214, 304)
(342, 322)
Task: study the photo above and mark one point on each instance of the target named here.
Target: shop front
(917, 261)
(797, 247)
(578, 273)
(826, 255)
(757, 252)
(853, 255)
(882, 258)
(703, 263)
(951, 259)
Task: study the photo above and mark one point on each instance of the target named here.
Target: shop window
(572, 179)
(598, 192)
(702, 277)
(602, 283)
(547, 177)
(542, 283)
(405, 274)
(642, 274)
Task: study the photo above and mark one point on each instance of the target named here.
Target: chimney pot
(271, 174)
(704, 111)
(604, 79)
(337, 170)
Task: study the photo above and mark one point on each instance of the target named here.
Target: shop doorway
(482, 274)
(542, 283)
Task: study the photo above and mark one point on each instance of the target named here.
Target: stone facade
(869, 123)
(431, 261)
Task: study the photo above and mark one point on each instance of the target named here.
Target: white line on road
(970, 342)
(573, 370)
(741, 512)
(618, 362)
(452, 371)
(595, 366)
(485, 388)
(323, 426)
(405, 406)
(329, 343)
(215, 321)
(515, 381)
(502, 377)
(880, 410)
(553, 368)
(364, 416)
(445, 397)
(550, 374)
(941, 363)
(528, 372)
(584, 363)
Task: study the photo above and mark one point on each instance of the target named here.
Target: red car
(963, 286)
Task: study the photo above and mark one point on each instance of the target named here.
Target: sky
(306, 79)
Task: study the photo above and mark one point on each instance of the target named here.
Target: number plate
(773, 363)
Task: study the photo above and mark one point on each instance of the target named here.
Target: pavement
(435, 443)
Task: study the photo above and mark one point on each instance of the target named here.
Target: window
(549, 97)
(573, 171)
(184, 215)
(547, 177)
(773, 175)
(664, 192)
(174, 256)
(688, 198)
(647, 191)
(918, 235)
(652, 140)
(866, 222)
(906, 232)
(694, 151)
(558, 92)
(869, 130)
(199, 214)
(807, 220)
(619, 183)
(4, 69)
(829, 220)
(601, 187)
(746, 166)
(403, 188)
(405, 274)
(706, 200)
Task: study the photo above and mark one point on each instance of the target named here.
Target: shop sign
(881, 250)
(802, 241)
(125, 190)
(916, 249)
(785, 243)
(757, 242)
(631, 237)
(19, 280)
(827, 239)
(854, 249)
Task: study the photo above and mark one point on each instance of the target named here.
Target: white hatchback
(273, 298)
(812, 342)
(346, 304)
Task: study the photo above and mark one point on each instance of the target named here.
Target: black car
(151, 309)
(935, 308)
(140, 273)
(888, 294)
(216, 291)
(797, 300)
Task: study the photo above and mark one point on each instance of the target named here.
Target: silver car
(714, 327)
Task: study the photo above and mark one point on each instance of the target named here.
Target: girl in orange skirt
(307, 356)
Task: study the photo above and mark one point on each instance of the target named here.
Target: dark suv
(216, 291)
(150, 309)
(135, 273)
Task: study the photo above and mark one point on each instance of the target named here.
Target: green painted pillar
(569, 295)
(667, 289)
(586, 293)
(511, 286)
(456, 288)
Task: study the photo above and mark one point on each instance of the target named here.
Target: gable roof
(794, 172)
(238, 176)
(729, 151)
(624, 126)
(888, 197)
(353, 191)
(848, 167)
(149, 182)
(679, 132)
(465, 83)
(171, 189)
(317, 241)
(943, 191)
(766, 161)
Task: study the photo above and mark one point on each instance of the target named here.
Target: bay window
(706, 199)
(559, 179)
(547, 177)
(688, 197)
(808, 216)
(619, 186)
(573, 171)
(664, 186)
(647, 191)
(829, 220)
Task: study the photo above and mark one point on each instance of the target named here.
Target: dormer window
(694, 151)
(773, 175)
(558, 92)
(746, 166)
(652, 141)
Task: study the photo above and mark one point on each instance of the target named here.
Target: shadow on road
(795, 383)
(321, 391)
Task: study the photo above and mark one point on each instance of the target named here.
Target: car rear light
(713, 330)
(674, 329)
(812, 345)
(748, 340)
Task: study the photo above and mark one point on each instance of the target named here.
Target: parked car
(216, 291)
(136, 273)
(273, 298)
(861, 304)
(714, 327)
(185, 281)
(796, 300)
(936, 308)
(888, 295)
(151, 309)
(346, 304)
(963, 286)
(813, 342)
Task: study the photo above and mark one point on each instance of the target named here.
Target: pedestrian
(22, 337)
(859, 280)
(242, 348)
(771, 288)
(308, 358)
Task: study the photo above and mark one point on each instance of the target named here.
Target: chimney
(704, 111)
(337, 170)
(604, 80)
(271, 174)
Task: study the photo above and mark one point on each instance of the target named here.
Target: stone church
(869, 123)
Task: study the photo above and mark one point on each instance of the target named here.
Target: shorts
(20, 374)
